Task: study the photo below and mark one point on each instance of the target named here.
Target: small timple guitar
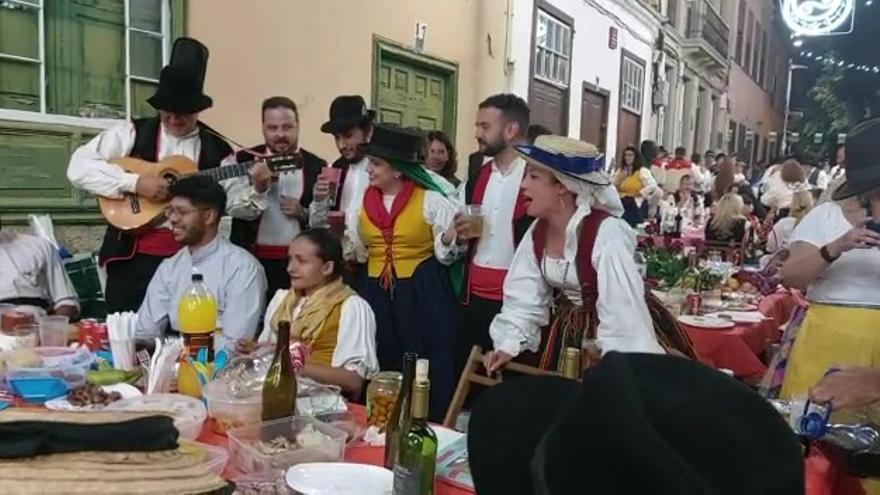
(134, 211)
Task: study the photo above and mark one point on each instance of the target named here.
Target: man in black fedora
(351, 124)
(131, 258)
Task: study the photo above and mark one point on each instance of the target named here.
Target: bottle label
(195, 341)
(405, 481)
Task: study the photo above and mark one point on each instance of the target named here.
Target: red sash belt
(487, 283)
(269, 252)
(157, 242)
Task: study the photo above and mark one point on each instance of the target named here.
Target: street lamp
(791, 68)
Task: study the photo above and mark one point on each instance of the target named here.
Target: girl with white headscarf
(578, 250)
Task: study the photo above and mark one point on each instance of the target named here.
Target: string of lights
(829, 60)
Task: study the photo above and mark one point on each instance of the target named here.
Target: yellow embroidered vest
(322, 348)
(631, 186)
(412, 242)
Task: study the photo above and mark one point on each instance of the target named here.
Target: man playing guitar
(131, 257)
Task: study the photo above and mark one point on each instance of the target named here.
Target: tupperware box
(65, 363)
(246, 459)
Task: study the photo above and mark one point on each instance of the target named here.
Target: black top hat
(182, 81)
(393, 142)
(862, 160)
(638, 423)
(347, 112)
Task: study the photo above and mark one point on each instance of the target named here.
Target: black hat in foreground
(347, 112)
(392, 142)
(637, 424)
(862, 160)
(182, 81)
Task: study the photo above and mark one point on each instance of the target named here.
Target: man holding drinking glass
(351, 124)
(494, 199)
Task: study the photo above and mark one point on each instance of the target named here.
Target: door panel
(627, 130)
(547, 107)
(594, 119)
(410, 95)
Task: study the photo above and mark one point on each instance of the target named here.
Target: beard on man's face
(492, 148)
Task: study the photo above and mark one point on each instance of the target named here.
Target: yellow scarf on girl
(310, 321)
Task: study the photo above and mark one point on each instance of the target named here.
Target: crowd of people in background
(732, 200)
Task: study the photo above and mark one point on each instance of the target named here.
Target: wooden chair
(474, 373)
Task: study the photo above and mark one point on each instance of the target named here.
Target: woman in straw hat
(402, 228)
(580, 248)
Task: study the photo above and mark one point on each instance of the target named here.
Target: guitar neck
(227, 171)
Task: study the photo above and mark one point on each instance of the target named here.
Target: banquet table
(358, 453)
(739, 349)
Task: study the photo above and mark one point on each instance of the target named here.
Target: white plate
(739, 316)
(125, 390)
(705, 322)
(339, 478)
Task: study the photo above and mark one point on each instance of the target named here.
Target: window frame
(41, 48)
(628, 66)
(555, 55)
(169, 30)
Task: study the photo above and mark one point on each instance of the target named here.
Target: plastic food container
(189, 414)
(231, 412)
(247, 459)
(212, 457)
(346, 422)
(70, 365)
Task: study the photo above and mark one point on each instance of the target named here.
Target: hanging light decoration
(817, 17)
(829, 60)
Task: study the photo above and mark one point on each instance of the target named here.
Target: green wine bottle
(417, 457)
(400, 412)
(279, 389)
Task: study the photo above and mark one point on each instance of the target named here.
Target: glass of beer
(332, 175)
(336, 223)
(474, 215)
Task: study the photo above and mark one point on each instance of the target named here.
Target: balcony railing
(705, 23)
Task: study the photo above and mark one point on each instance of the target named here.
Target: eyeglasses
(171, 211)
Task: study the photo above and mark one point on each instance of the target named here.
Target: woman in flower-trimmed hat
(403, 230)
(579, 248)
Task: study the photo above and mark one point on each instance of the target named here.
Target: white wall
(592, 60)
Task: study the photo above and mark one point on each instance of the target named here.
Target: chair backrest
(475, 373)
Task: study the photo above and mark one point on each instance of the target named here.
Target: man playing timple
(271, 209)
(234, 277)
(131, 258)
(502, 121)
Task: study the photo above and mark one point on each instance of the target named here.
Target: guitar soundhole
(170, 178)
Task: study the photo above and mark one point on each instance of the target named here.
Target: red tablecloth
(363, 454)
(739, 348)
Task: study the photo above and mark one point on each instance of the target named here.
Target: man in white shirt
(269, 209)
(131, 258)
(32, 276)
(351, 124)
(234, 277)
(502, 122)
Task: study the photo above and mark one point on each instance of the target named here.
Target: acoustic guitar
(133, 211)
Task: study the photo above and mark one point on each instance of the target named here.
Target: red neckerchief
(374, 207)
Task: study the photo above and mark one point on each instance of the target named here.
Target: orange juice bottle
(196, 321)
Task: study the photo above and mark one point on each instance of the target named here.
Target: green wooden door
(411, 95)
